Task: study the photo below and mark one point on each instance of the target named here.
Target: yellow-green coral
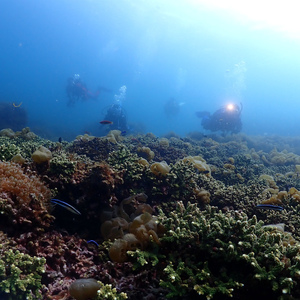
(109, 293)
(7, 149)
(10, 147)
(123, 160)
(20, 275)
(212, 253)
(61, 165)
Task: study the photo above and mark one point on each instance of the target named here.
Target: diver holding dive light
(226, 119)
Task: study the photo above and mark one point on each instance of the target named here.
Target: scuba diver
(227, 119)
(77, 90)
(115, 118)
(172, 107)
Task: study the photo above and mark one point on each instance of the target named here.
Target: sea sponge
(18, 158)
(145, 152)
(117, 251)
(160, 168)
(202, 196)
(276, 198)
(114, 228)
(41, 155)
(26, 134)
(199, 163)
(8, 133)
(231, 160)
(84, 289)
(164, 142)
(84, 138)
(294, 194)
(132, 242)
(114, 136)
(142, 230)
(143, 162)
(269, 180)
(144, 226)
(229, 166)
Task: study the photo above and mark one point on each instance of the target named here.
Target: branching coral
(179, 183)
(7, 149)
(62, 165)
(215, 253)
(124, 160)
(97, 149)
(21, 275)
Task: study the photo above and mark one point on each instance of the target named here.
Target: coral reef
(229, 254)
(114, 136)
(132, 232)
(160, 217)
(127, 162)
(160, 168)
(146, 152)
(24, 200)
(21, 275)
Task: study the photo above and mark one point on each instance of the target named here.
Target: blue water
(158, 50)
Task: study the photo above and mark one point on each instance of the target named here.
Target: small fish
(106, 122)
(270, 206)
(123, 133)
(94, 242)
(66, 205)
(60, 139)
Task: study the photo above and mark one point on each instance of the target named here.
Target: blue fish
(65, 205)
(94, 242)
(270, 206)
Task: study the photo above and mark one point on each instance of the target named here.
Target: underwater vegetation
(141, 217)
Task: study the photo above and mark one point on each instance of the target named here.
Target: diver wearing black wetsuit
(227, 119)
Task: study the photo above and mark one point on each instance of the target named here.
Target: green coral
(10, 147)
(7, 149)
(106, 291)
(61, 164)
(123, 160)
(180, 182)
(20, 275)
(142, 258)
(212, 253)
